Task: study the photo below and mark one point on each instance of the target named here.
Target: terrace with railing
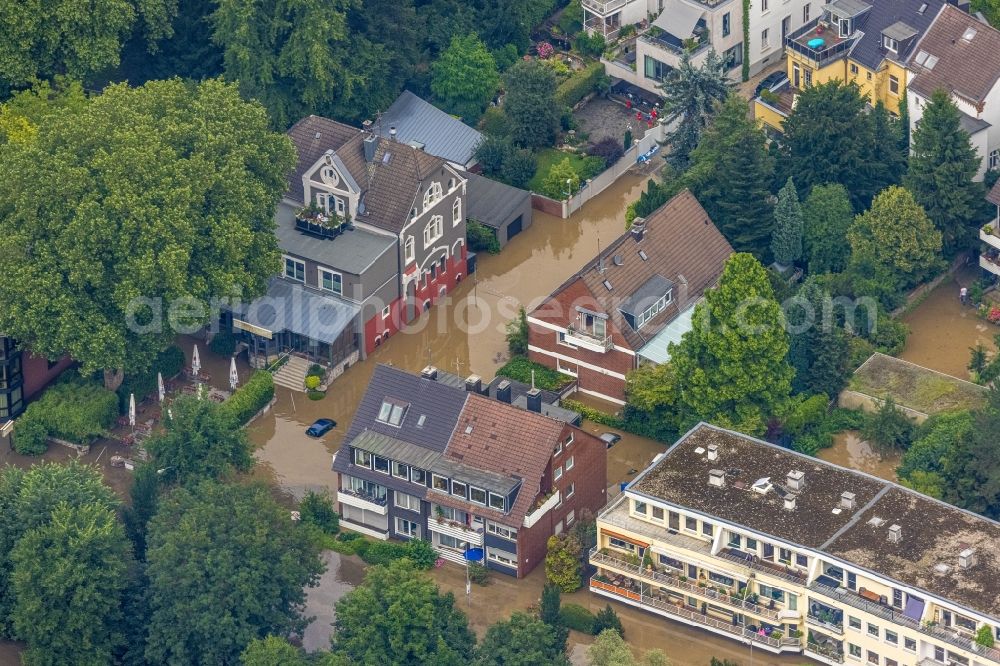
(756, 564)
(827, 651)
(819, 41)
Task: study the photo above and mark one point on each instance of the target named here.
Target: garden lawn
(585, 167)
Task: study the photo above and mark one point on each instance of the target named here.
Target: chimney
(895, 533)
(967, 558)
(796, 480)
(367, 125)
(713, 451)
(503, 391)
(638, 228)
(846, 500)
(717, 478)
(430, 372)
(474, 384)
(392, 133)
(371, 143)
(790, 499)
(535, 400)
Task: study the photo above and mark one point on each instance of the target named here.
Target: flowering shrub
(994, 315)
(544, 50)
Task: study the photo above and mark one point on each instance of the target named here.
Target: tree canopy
(690, 99)
(819, 349)
(529, 105)
(827, 215)
(520, 641)
(786, 241)
(465, 77)
(159, 199)
(972, 471)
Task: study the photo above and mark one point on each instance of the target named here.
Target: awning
(616, 535)
(914, 608)
(292, 307)
(679, 18)
(656, 349)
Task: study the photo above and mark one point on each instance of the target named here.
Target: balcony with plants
(699, 40)
(315, 221)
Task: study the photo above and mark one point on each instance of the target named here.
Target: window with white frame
(451, 542)
(909, 644)
(401, 470)
(557, 472)
(569, 463)
(329, 175)
(408, 252)
(439, 483)
(764, 39)
(873, 658)
(570, 490)
(993, 161)
(407, 528)
(295, 269)
(763, 5)
(639, 507)
(621, 544)
(893, 85)
(381, 464)
(330, 281)
(654, 309)
(433, 231)
(570, 517)
(854, 622)
(496, 502)
(432, 194)
(890, 43)
(362, 458)
(502, 558)
(451, 184)
(657, 514)
(854, 650)
(392, 412)
(891, 637)
(408, 502)
(502, 531)
(873, 630)
(456, 212)
(458, 488)
(559, 448)
(386, 311)
(805, 13)
(449, 513)
(418, 476)
(477, 495)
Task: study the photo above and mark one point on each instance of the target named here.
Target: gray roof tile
(492, 202)
(420, 121)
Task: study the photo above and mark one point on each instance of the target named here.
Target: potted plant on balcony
(439, 514)
(984, 637)
(776, 635)
(647, 561)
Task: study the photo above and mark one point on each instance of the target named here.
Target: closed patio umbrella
(234, 377)
(131, 409)
(159, 386)
(195, 361)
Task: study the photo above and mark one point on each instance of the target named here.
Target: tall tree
(398, 616)
(827, 216)
(893, 244)
(923, 465)
(814, 157)
(69, 578)
(942, 167)
(529, 105)
(819, 349)
(520, 641)
(550, 615)
(889, 155)
(226, 565)
(729, 174)
(272, 651)
(690, 99)
(972, 472)
(465, 78)
(731, 368)
(786, 241)
(158, 195)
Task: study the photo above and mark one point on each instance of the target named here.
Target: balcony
(819, 42)
(311, 220)
(665, 578)
(534, 516)
(587, 340)
(658, 604)
(756, 564)
(671, 49)
(824, 621)
(362, 501)
(990, 263)
(990, 234)
(604, 8)
(825, 653)
(472, 536)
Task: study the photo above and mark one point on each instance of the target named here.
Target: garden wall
(849, 399)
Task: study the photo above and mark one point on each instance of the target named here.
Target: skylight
(923, 8)
(931, 61)
(921, 56)
(607, 285)
(392, 412)
(970, 32)
(643, 255)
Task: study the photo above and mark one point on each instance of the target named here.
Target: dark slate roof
(885, 13)
(849, 8)
(491, 202)
(439, 133)
(441, 405)
(290, 306)
(994, 194)
(966, 68)
(900, 31)
(351, 252)
(646, 295)
(972, 125)
(313, 136)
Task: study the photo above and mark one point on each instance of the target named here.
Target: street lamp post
(569, 188)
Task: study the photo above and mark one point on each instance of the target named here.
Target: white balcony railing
(360, 501)
(604, 8)
(991, 266)
(472, 536)
(588, 341)
(990, 238)
(544, 508)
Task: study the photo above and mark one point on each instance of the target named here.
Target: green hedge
(75, 409)
(595, 415)
(249, 398)
(169, 362)
(420, 552)
(519, 369)
(577, 618)
(581, 84)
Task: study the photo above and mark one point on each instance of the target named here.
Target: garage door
(515, 227)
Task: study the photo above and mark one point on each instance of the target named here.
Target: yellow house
(789, 554)
(857, 41)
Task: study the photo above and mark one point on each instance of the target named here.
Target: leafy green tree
(69, 579)
(562, 562)
(731, 368)
(972, 471)
(819, 349)
(519, 167)
(317, 509)
(550, 615)
(184, 210)
(272, 651)
(465, 77)
(198, 442)
(398, 616)
(144, 494)
(607, 618)
(225, 565)
(889, 427)
(517, 334)
(655, 195)
(893, 244)
(729, 174)
(70, 39)
(520, 641)
(691, 98)
(530, 106)
(610, 649)
(923, 464)
(786, 241)
(832, 155)
(21, 115)
(942, 167)
(827, 215)
(889, 154)
(562, 180)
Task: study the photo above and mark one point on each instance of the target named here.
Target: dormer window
(653, 310)
(890, 44)
(432, 195)
(392, 412)
(844, 27)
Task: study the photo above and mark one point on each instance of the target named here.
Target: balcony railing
(848, 597)
(820, 56)
(825, 651)
(674, 581)
(756, 564)
(460, 531)
(820, 622)
(793, 644)
(692, 46)
(381, 501)
(588, 340)
(604, 8)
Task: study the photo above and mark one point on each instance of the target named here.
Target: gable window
(434, 230)
(496, 502)
(295, 269)
(432, 195)
(890, 44)
(330, 281)
(893, 85)
(392, 412)
(329, 175)
(458, 488)
(456, 212)
(408, 253)
(362, 458)
(477, 495)
(451, 184)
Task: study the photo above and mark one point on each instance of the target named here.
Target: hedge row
(250, 398)
(595, 415)
(169, 362)
(420, 552)
(581, 84)
(75, 409)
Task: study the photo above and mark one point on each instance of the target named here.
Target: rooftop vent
(876, 521)
(366, 125)
(717, 478)
(846, 500)
(699, 450)
(796, 480)
(895, 533)
(617, 260)
(643, 255)
(638, 229)
(790, 500)
(317, 135)
(430, 372)
(503, 391)
(713, 451)
(762, 485)
(967, 558)
(941, 568)
(392, 132)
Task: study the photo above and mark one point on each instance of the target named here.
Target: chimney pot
(717, 478)
(392, 132)
(370, 144)
(847, 500)
(474, 384)
(895, 533)
(967, 558)
(790, 500)
(503, 391)
(713, 452)
(638, 228)
(535, 400)
(430, 372)
(796, 480)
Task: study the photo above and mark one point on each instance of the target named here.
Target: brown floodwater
(343, 573)
(851, 451)
(942, 330)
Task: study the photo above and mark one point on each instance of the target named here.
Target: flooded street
(850, 450)
(343, 574)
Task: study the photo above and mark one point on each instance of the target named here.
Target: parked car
(610, 438)
(769, 82)
(321, 427)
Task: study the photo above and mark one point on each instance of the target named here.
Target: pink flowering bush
(994, 315)
(544, 50)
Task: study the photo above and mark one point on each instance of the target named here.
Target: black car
(769, 82)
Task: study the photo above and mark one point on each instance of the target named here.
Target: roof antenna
(532, 380)
(600, 258)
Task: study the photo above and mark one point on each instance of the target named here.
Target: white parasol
(234, 377)
(195, 361)
(131, 409)
(159, 386)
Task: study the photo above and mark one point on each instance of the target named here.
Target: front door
(796, 74)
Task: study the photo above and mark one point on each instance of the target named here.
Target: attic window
(890, 44)
(923, 8)
(921, 56)
(969, 33)
(386, 158)
(931, 61)
(392, 412)
(643, 255)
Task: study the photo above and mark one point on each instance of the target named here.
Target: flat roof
(933, 532)
(914, 386)
(351, 252)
